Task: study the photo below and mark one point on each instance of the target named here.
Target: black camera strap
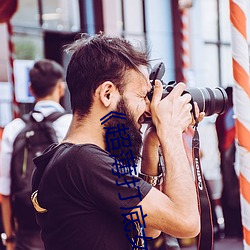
(205, 238)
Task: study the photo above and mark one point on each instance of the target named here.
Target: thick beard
(132, 131)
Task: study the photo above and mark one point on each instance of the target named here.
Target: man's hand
(172, 114)
(199, 115)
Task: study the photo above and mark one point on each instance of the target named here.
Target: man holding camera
(86, 191)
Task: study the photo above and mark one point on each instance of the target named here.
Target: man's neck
(48, 98)
(87, 131)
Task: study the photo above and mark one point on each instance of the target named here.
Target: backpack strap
(54, 116)
(51, 118)
(46, 125)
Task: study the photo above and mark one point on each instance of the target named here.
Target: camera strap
(205, 238)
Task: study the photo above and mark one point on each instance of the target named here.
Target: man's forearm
(150, 154)
(179, 182)
(149, 166)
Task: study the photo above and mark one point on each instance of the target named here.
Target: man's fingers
(178, 90)
(157, 92)
(199, 115)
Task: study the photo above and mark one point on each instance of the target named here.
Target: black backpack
(37, 135)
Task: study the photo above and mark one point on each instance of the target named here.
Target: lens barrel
(210, 101)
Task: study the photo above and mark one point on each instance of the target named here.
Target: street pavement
(223, 244)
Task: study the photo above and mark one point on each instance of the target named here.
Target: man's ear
(62, 88)
(106, 92)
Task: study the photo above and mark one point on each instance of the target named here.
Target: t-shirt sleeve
(107, 189)
(10, 133)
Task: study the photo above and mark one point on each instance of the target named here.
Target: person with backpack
(23, 139)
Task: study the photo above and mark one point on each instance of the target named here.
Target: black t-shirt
(85, 199)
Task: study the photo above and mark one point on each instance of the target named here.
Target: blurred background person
(225, 126)
(210, 162)
(48, 86)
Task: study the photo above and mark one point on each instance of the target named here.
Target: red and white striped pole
(185, 55)
(241, 95)
(11, 69)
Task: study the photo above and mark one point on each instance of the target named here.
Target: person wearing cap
(47, 86)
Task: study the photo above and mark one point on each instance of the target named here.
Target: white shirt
(11, 131)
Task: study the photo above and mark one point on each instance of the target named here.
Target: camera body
(210, 101)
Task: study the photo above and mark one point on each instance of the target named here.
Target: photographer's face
(133, 103)
(135, 93)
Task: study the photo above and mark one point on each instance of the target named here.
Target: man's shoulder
(81, 150)
(16, 122)
(92, 155)
(91, 149)
(13, 128)
(81, 157)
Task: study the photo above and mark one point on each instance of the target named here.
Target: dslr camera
(210, 101)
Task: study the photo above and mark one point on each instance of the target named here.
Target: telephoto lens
(210, 101)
